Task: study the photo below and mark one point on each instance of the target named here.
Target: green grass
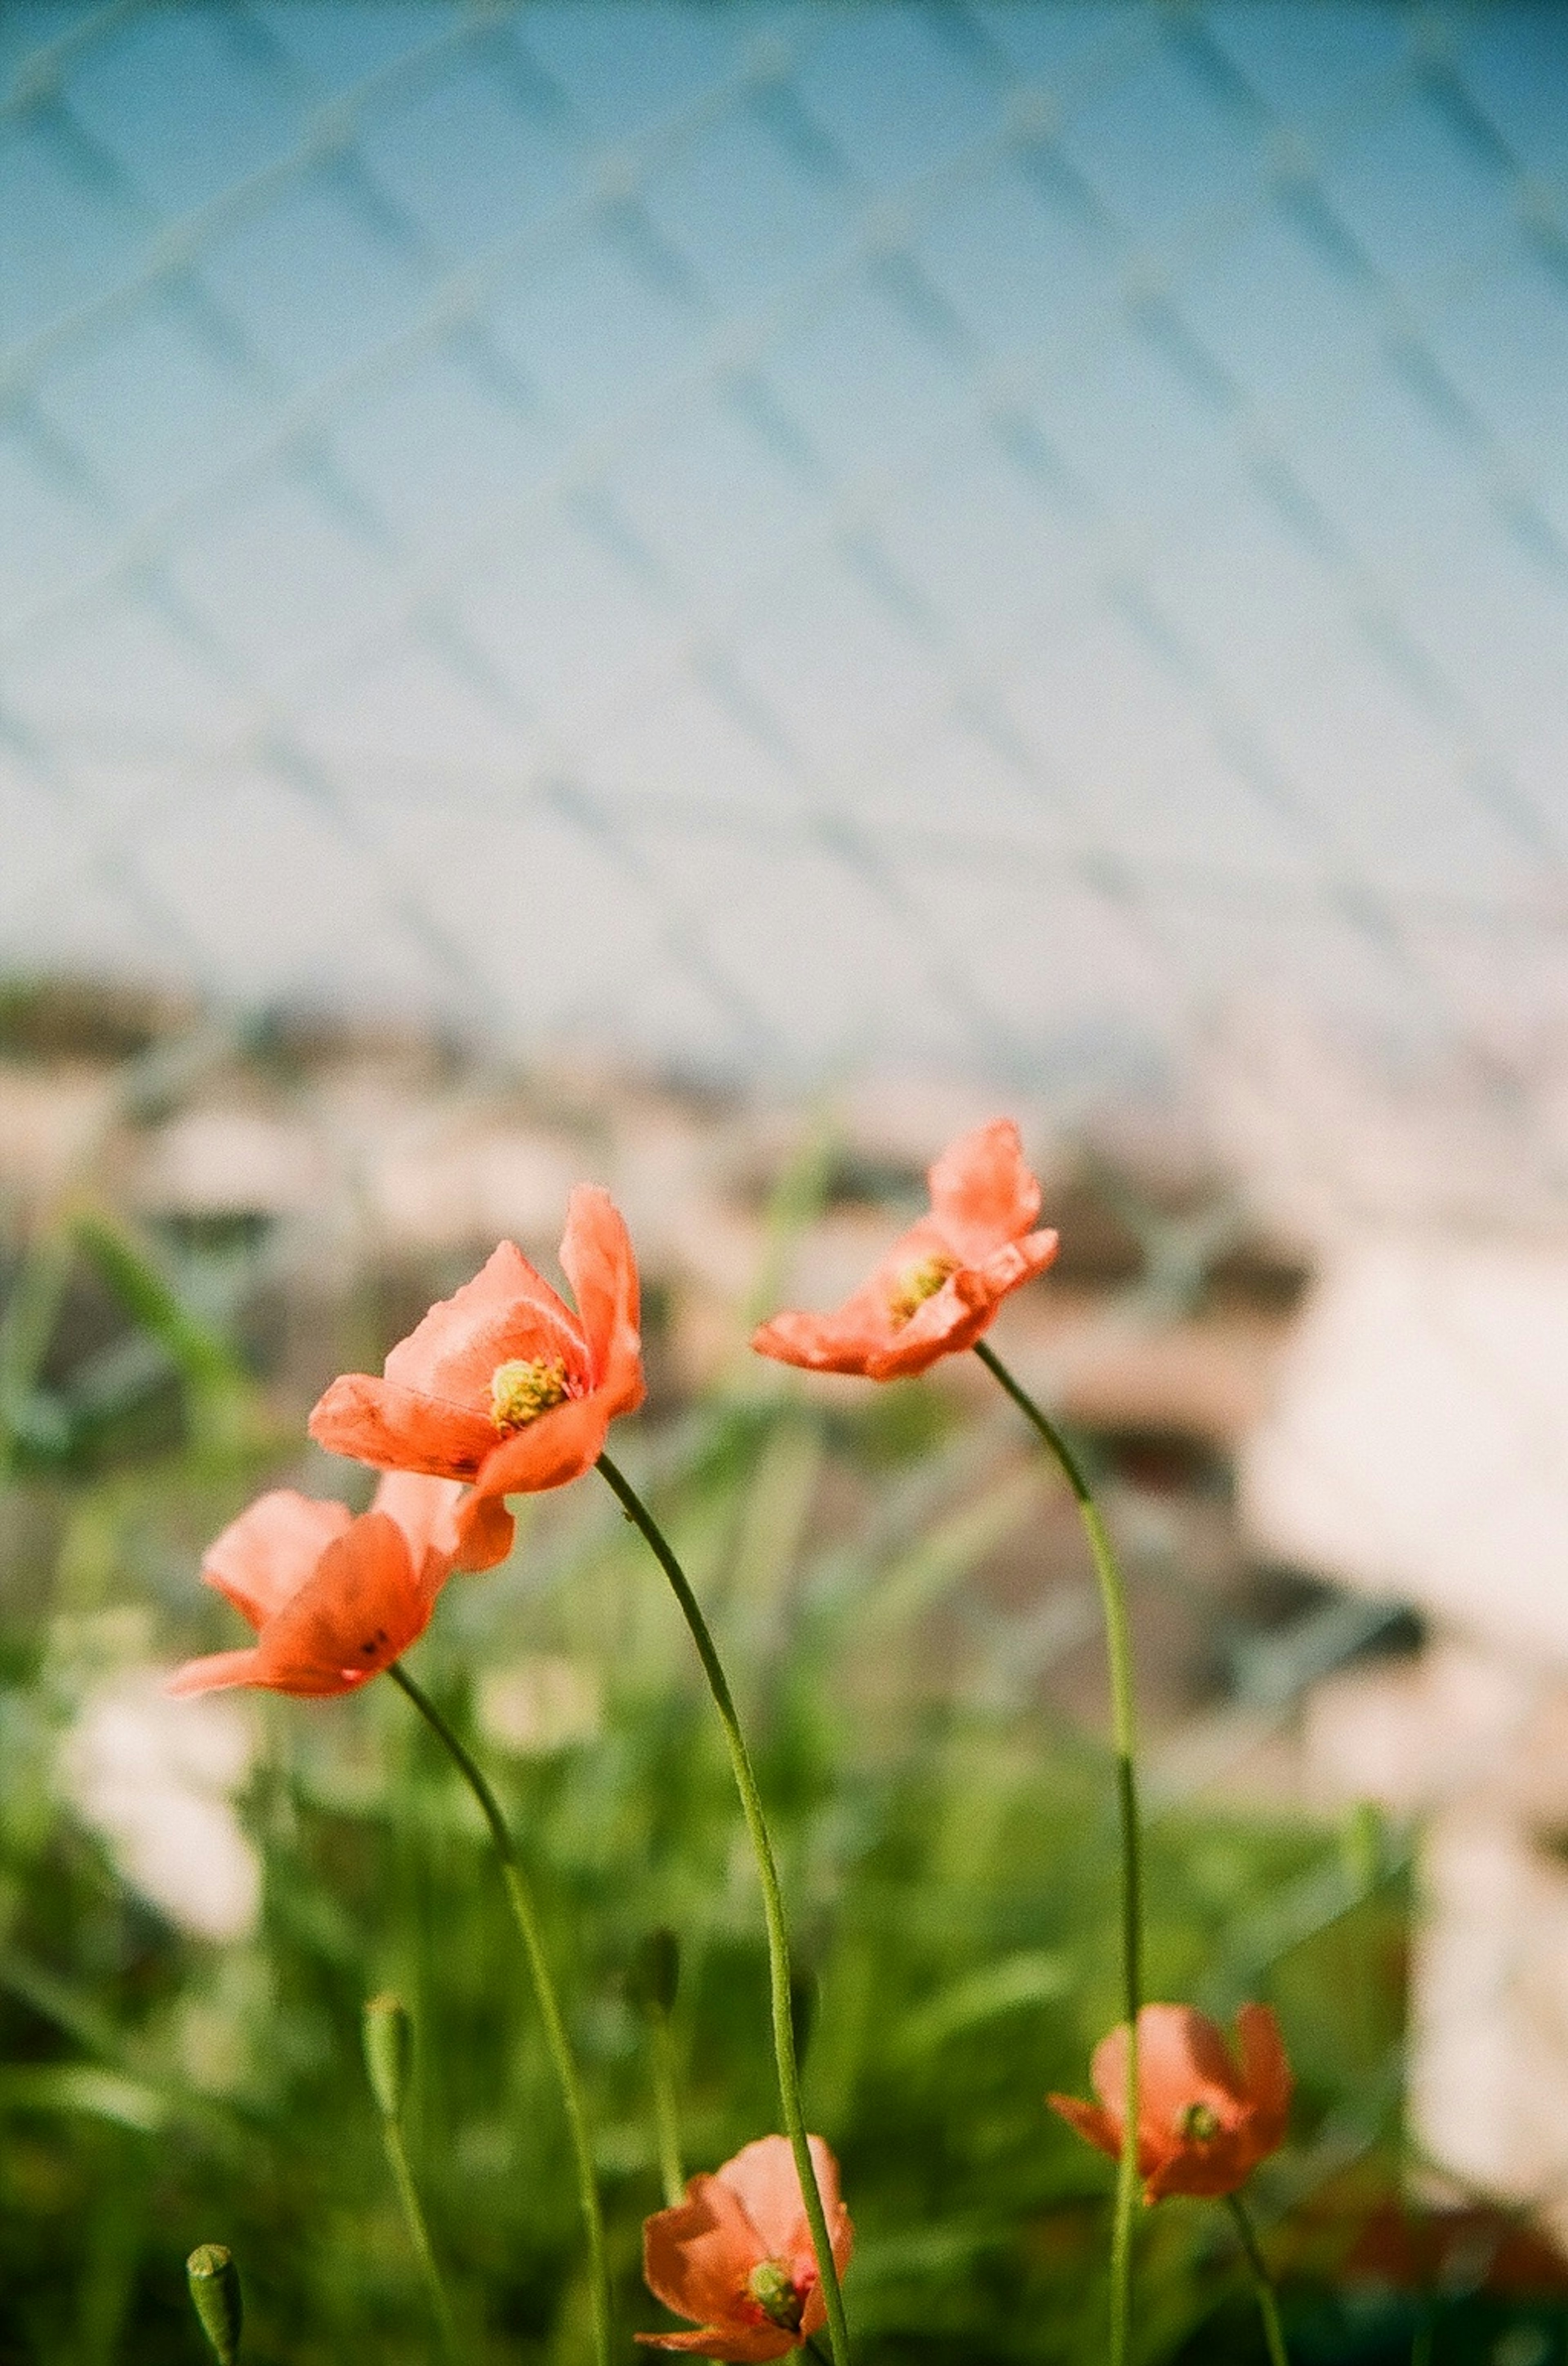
(949, 1854)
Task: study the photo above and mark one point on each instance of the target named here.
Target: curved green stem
(418, 2236)
(1124, 1733)
(772, 1899)
(526, 1916)
(1262, 2281)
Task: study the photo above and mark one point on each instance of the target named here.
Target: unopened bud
(388, 2052)
(214, 2282)
(654, 1974)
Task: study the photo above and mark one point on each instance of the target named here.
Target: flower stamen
(520, 1393)
(916, 1284)
(774, 2288)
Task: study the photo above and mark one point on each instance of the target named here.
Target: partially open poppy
(1205, 2123)
(939, 1285)
(736, 2256)
(501, 1383)
(332, 1599)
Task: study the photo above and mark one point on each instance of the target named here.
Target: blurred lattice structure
(1006, 539)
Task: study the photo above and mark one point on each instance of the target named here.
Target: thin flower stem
(1262, 2281)
(642, 1519)
(418, 2236)
(666, 2118)
(526, 1916)
(1124, 1733)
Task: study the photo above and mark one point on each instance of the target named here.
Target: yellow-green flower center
(916, 1284)
(772, 2288)
(1196, 2124)
(520, 1393)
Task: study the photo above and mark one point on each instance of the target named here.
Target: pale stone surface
(1471, 1740)
(1418, 1440)
(156, 1778)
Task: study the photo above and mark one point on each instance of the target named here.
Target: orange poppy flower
(736, 2256)
(502, 1384)
(1204, 2123)
(939, 1286)
(332, 1599)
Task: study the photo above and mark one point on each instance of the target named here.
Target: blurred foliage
(949, 1854)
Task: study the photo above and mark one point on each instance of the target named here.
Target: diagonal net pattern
(799, 540)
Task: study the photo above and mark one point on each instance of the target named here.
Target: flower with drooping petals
(1204, 2122)
(736, 2256)
(939, 1286)
(501, 1383)
(332, 1599)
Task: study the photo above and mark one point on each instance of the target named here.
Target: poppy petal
(263, 1558)
(1265, 2071)
(393, 1428)
(1096, 2126)
(358, 1612)
(507, 1313)
(982, 1190)
(1202, 2172)
(962, 1309)
(1182, 2060)
(763, 2178)
(742, 2344)
(817, 1343)
(558, 1446)
(597, 1258)
(216, 1672)
(486, 1532)
(698, 2256)
(427, 1511)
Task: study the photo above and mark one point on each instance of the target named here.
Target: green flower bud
(214, 2282)
(654, 1974)
(388, 2052)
